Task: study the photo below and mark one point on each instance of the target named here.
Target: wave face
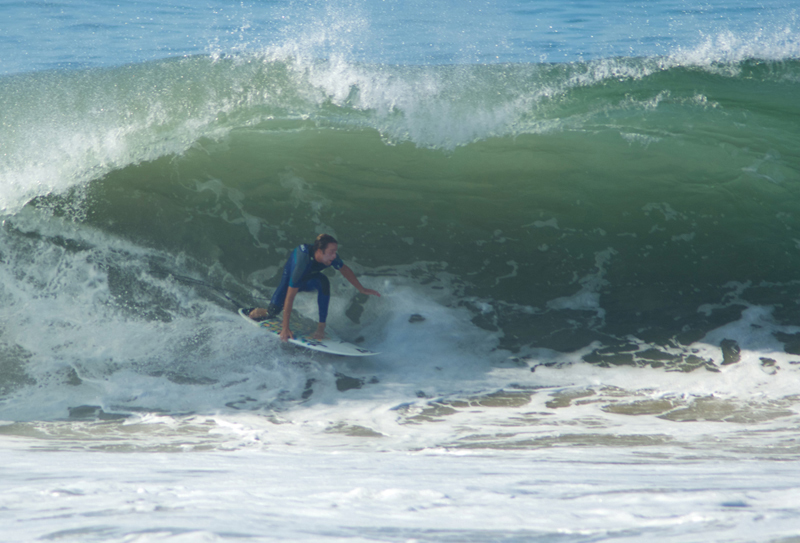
(620, 211)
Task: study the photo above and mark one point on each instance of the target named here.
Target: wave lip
(98, 121)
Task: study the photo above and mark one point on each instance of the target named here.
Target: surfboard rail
(303, 338)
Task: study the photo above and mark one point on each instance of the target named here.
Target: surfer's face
(326, 256)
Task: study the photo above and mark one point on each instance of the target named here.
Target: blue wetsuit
(304, 273)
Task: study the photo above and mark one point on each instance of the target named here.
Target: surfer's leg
(322, 285)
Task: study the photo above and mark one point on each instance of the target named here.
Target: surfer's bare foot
(319, 335)
(258, 313)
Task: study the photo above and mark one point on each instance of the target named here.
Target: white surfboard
(302, 336)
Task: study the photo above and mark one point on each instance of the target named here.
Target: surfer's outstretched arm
(351, 277)
(286, 333)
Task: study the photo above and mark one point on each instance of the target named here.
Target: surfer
(303, 273)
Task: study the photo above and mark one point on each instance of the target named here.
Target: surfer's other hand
(286, 334)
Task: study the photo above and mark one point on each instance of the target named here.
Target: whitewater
(583, 220)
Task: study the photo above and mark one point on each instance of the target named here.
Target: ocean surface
(583, 218)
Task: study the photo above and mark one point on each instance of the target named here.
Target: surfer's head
(324, 249)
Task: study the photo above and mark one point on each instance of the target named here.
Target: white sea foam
(328, 496)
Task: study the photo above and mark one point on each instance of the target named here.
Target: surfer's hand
(371, 292)
(286, 334)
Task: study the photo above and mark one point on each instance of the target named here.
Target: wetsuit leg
(322, 285)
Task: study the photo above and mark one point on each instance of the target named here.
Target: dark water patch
(653, 358)
(183, 379)
(721, 410)
(345, 382)
(565, 398)
(352, 430)
(511, 442)
(769, 365)
(434, 411)
(93, 412)
(356, 307)
(791, 342)
(242, 403)
(309, 389)
(731, 352)
(643, 407)
(13, 374)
